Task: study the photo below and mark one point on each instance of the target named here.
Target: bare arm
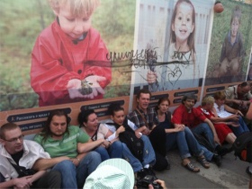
(216, 139)
(86, 147)
(177, 128)
(43, 164)
(36, 176)
(224, 120)
(232, 110)
(232, 101)
(23, 182)
(78, 158)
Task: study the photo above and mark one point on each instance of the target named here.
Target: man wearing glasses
(18, 159)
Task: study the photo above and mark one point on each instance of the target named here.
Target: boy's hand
(96, 88)
(74, 86)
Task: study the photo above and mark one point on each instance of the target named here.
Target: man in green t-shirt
(70, 150)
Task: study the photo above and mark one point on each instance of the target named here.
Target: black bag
(243, 146)
(204, 142)
(128, 137)
(22, 171)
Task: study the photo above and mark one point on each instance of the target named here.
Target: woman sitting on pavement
(178, 136)
(223, 131)
(226, 113)
(111, 147)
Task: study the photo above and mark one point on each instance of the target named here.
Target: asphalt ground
(231, 174)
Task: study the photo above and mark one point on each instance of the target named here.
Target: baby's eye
(188, 19)
(70, 19)
(180, 18)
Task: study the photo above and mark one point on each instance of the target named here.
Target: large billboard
(90, 58)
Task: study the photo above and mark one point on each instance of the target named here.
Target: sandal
(191, 167)
(203, 162)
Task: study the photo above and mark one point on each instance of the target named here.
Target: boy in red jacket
(69, 61)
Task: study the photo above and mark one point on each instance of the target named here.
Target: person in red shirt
(191, 117)
(223, 131)
(69, 61)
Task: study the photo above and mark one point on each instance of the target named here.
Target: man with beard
(70, 149)
(19, 159)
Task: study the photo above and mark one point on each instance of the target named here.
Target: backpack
(243, 146)
(135, 145)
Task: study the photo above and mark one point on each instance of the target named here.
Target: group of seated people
(72, 153)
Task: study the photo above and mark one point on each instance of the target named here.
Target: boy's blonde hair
(78, 8)
(236, 13)
(207, 100)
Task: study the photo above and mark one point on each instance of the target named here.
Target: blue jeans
(204, 128)
(103, 152)
(185, 141)
(148, 155)
(208, 154)
(116, 149)
(74, 177)
(242, 128)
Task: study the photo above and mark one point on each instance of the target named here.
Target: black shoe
(149, 171)
(222, 151)
(216, 159)
(141, 174)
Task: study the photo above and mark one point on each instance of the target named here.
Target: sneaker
(216, 159)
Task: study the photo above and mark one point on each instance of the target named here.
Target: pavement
(231, 174)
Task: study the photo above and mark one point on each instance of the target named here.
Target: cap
(113, 173)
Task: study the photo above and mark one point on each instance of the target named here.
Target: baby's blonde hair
(78, 8)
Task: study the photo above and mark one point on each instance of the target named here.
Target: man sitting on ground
(194, 119)
(69, 148)
(238, 96)
(144, 118)
(18, 162)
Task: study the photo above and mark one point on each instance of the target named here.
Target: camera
(148, 179)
